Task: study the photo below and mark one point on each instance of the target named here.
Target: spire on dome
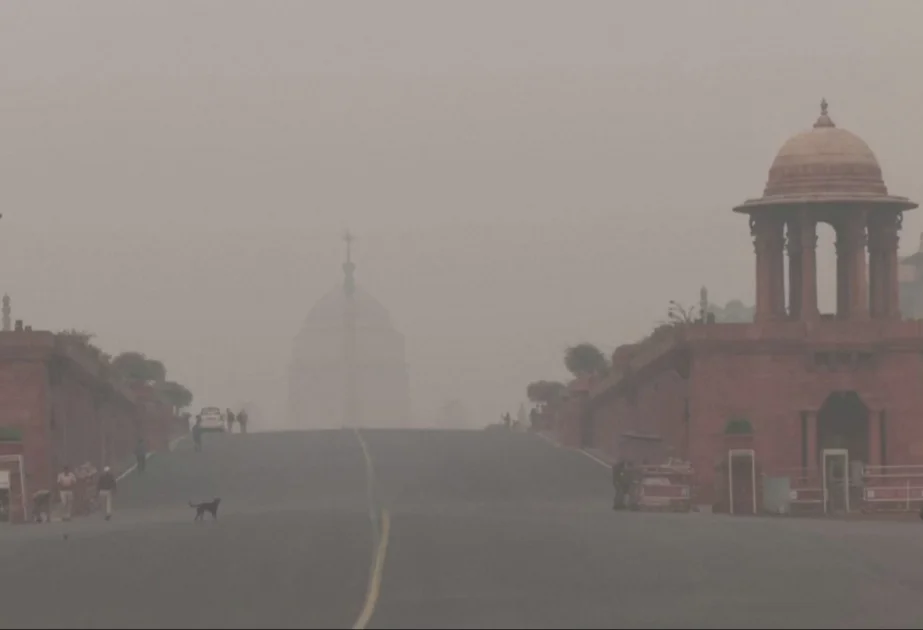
(349, 267)
(823, 120)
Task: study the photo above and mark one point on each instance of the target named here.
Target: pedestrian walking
(242, 419)
(141, 454)
(67, 482)
(197, 434)
(105, 490)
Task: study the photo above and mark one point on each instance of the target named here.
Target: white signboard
(4, 480)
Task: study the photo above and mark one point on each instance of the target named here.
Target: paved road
(486, 530)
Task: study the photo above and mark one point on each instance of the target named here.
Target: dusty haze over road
(176, 175)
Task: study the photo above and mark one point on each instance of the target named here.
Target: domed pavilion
(829, 175)
(797, 411)
(348, 366)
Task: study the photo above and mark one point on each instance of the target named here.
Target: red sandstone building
(799, 409)
(58, 405)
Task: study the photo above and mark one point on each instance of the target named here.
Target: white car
(212, 419)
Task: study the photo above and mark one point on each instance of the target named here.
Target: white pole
(753, 478)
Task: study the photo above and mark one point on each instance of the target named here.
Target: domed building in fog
(348, 366)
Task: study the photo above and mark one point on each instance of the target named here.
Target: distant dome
(328, 312)
(826, 164)
(344, 374)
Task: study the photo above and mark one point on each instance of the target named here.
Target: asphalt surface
(486, 529)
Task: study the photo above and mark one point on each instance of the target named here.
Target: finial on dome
(823, 120)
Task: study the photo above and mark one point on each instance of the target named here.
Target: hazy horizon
(522, 176)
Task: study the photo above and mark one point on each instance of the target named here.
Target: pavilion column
(808, 283)
(761, 247)
(877, 271)
(891, 289)
(858, 267)
(842, 269)
(777, 253)
(768, 241)
(795, 267)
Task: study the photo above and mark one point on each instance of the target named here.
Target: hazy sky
(175, 176)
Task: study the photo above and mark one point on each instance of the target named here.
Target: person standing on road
(67, 481)
(242, 420)
(197, 434)
(105, 489)
(618, 483)
(230, 417)
(141, 454)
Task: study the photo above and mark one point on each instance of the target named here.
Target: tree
(545, 392)
(677, 315)
(85, 339)
(176, 395)
(585, 359)
(81, 337)
(134, 366)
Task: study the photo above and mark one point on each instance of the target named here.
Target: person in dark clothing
(41, 506)
(230, 417)
(105, 489)
(197, 434)
(507, 420)
(618, 484)
(141, 455)
(242, 420)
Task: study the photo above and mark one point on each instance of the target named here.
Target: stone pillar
(877, 271)
(842, 269)
(761, 247)
(851, 269)
(891, 290)
(777, 248)
(795, 267)
(769, 243)
(858, 267)
(808, 283)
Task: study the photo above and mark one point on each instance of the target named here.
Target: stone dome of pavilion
(826, 165)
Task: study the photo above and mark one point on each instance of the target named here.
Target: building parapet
(826, 333)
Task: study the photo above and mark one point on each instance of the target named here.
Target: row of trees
(135, 367)
(581, 360)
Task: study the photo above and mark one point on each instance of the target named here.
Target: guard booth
(13, 507)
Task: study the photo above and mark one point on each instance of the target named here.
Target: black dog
(207, 506)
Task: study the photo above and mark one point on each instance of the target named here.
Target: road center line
(381, 527)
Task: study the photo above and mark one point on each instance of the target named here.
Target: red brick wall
(64, 406)
(23, 399)
(771, 385)
(654, 407)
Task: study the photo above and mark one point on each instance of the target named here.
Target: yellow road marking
(381, 528)
(371, 598)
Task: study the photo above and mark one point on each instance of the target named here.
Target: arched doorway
(843, 447)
